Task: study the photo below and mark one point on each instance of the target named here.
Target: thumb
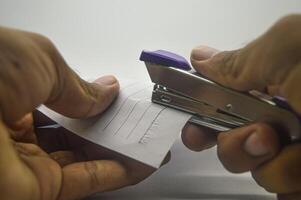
(33, 72)
(246, 148)
(250, 68)
(229, 68)
(270, 61)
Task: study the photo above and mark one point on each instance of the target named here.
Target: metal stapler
(212, 105)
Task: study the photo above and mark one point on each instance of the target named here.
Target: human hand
(42, 163)
(271, 64)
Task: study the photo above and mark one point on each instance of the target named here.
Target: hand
(52, 165)
(271, 64)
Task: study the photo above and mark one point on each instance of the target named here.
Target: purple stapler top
(165, 58)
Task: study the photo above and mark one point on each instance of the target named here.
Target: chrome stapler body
(212, 105)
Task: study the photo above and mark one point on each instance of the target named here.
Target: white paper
(132, 126)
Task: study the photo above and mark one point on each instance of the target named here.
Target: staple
(151, 124)
(123, 103)
(145, 111)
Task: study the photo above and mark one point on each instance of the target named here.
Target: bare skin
(271, 64)
(46, 164)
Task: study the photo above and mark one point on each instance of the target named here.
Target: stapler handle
(171, 72)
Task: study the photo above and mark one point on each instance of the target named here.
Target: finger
(33, 70)
(282, 174)
(22, 130)
(267, 61)
(198, 138)
(202, 53)
(89, 99)
(136, 170)
(24, 124)
(226, 68)
(288, 88)
(29, 149)
(86, 178)
(273, 90)
(12, 169)
(246, 148)
(27, 136)
(63, 158)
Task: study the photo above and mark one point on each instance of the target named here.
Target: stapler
(213, 106)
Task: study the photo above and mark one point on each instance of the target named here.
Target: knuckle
(52, 59)
(227, 67)
(43, 41)
(94, 180)
(227, 60)
(29, 149)
(92, 94)
(289, 26)
(291, 19)
(50, 50)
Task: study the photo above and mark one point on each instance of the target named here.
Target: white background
(106, 37)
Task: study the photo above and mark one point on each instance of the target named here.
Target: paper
(132, 126)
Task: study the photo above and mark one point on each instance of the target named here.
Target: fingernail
(106, 80)
(202, 53)
(254, 146)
